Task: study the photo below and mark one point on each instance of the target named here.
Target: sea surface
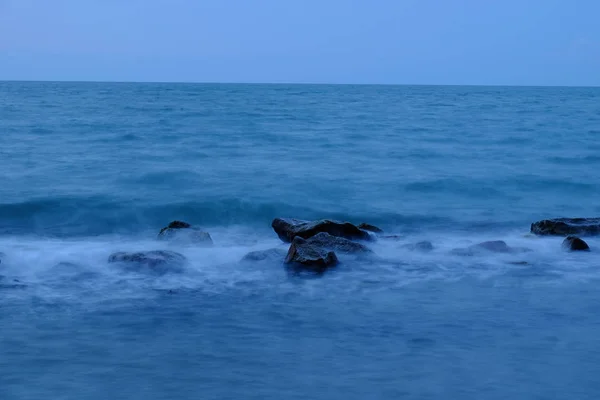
(88, 169)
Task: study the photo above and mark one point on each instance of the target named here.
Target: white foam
(33, 261)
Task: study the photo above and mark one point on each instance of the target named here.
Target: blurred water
(90, 169)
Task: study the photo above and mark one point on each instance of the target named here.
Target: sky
(455, 42)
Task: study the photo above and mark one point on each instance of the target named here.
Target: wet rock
(182, 231)
(288, 228)
(573, 243)
(370, 228)
(339, 244)
(306, 256)
(266, 255)
(158, 261)
(493, 246)
(567, 226)
(392, 237)
(424, 246)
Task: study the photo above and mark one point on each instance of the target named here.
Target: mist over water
(93, 169)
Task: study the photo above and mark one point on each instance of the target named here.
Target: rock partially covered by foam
(335, 243)
(303, 255)
(288, 228)
(567, 226)
(182, 231)
(424, 246)
(157, 261)
(274, 255)
(573, 243)
(492, 246)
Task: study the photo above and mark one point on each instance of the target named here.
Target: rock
(494, 246)
(306, 256)
(573, 243)
(423, 246)
(567, 226)
(370, 228)
(287, 229)
(160, 261)
(392, 237)
(340, 244)
(266, 255)
(518, 262)
(175, 225)
(182, 231)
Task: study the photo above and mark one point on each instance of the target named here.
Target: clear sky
(514, 42)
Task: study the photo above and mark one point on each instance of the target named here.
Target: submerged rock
(329, 242)
(288, 228)
(370, 228)
(266, 255)
(573, 243)
(567, 226)
(493, 246)
(7, 283)
(423, 246)
(179, 230)
(160, 261)
(306, 256)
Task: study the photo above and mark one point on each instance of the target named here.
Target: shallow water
(91, 169)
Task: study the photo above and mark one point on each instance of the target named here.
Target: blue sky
(508, 42)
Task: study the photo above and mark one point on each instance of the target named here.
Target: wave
(91, 216)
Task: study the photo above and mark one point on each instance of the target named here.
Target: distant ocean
(88, 169)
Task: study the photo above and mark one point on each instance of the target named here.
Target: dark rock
(159, 261)
(340, 244)
(176, 225)
(179, 230)
(370, 228)
(423, 246)
(573, 243)
(306, 256)
(266, 255)
(287, 229)
(567, 226)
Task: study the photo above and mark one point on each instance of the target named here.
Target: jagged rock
(423, 246)
(288, 228)
(567, 226)
(306, 256)
(182, 231)
(370, 228)
(340, 244)
(266, 255)
(159, 261)
(573, 243)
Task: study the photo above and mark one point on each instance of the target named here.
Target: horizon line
(159, 82)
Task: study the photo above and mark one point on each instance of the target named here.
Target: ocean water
(88, 169)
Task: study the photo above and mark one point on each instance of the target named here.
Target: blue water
(88, 169)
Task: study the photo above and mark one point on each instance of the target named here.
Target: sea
(89, 169)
